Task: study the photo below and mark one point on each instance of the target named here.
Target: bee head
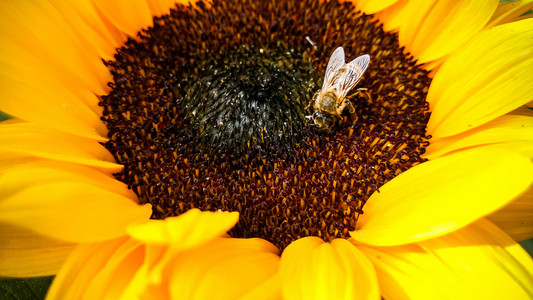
(324, 121)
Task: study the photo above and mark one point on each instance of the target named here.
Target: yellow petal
(161, 7)
(394, 16)
(86, 21)
(185, 231)
(373, 6)
(516, 218)
(26, 175)
(222, 269)
(507, 128)
(127, 15)
(116, 275)
(433, 29)
(24, 253)
(313, 269)
(510, 11)
(268, 290)
(443, 195)
(70, 211)
(21, 139)
(487, 78)
(40, 29)
(83, 265)
(476, 262)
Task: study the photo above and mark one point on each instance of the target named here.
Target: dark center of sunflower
(208, 110)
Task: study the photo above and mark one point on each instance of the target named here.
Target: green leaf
(25, 288)
(4, 116)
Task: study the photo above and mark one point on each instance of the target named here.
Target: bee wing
(353, 73)
(336, 61)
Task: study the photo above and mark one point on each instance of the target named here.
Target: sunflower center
(247, 98)
(208, 110)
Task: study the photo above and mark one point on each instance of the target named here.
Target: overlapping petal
(313, 269)
(516, 218)
(430, 30)
(19, 140)
(438, 197)
(24, 253)
(505, 129)
(461, 99)
(186, 231)
(123, 268)
(68, 211)
(476, 262)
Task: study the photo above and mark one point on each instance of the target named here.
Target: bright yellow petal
(433, 29)
(394, 16)
(222, 269)
(127, 15)
(185, 231)
(313, 269)
(70, 211)
(516, 219)
(443, 195)
(21, 139)
(40, 29)
(82, 266)
(113, 278)
(507, 128)
(84, 18)
(510, 11)
(46, 101)
(487, 78)
(373, 6)
(268, 290)
(26, 175)
(476, 262)
(24, 253)
(161, 7)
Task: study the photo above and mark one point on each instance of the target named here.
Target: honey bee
(330, 101)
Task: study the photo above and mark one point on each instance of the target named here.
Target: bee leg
(351, 109)
(345, 104)
(365, 90)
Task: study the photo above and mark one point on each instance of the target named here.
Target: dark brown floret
(208, 111)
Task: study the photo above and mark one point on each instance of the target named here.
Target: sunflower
(166, 153)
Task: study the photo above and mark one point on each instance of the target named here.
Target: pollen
(209, 109)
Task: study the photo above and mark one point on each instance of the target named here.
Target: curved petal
(516, 218)
(20, 138)
(394, 16)
(116, 275)
(313, 269)
(84, 18)
(37, 96)
(68, 210)
(443, 195)
(373, 6)
(476, 262)
(24, 253)
(433, 29)
(507, 128)
(26, 175)
(161, 7)
(40, 29)
(127, 15)
(462, 99)
(85, 263)
(185, 231)
(510, 11)
(222, 269)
